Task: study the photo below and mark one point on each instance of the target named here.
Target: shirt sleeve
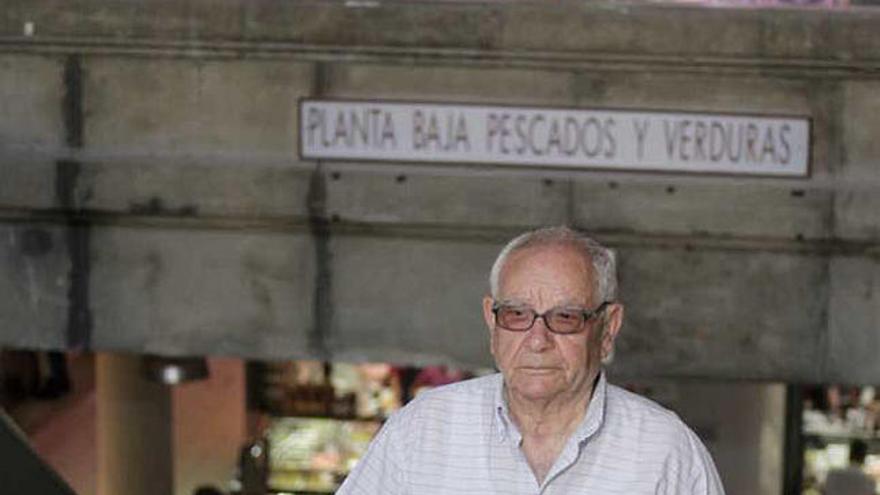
(706, 480)
(689, 469)
(380, 470)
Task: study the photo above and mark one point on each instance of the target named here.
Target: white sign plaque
(555, 137)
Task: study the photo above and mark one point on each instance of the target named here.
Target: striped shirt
(459, 439)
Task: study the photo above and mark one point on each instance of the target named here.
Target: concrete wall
(152, 199)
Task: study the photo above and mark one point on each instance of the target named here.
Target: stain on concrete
(78, 237)
(153, 271)
(262, 296)
(72, 103)
(319, 226)
(748, 343)
(258, 276)
(36, 242)
(589, 87)
(155, 206)
(78, 231)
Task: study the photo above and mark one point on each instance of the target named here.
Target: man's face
(537, 364)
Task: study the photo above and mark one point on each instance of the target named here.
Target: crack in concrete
(78, 231)
(319, 227)
(78, 237)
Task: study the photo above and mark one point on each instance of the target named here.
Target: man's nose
(539, 337)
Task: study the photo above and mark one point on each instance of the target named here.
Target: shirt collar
(589, 425)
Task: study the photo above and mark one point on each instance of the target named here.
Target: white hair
(599, 257)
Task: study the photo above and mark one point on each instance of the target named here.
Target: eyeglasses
(561, 320)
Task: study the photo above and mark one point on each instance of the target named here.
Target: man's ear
(489, 318)
(488, 315)
(613, 322)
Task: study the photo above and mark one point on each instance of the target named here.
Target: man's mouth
(538, 369)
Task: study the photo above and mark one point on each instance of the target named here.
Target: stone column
(134, 429)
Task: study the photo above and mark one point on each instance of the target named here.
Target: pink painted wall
(209, 426)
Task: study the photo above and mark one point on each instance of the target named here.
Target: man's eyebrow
(512, 302)
(521, 303)
(572, 305)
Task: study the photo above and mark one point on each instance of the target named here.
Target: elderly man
(549, 423)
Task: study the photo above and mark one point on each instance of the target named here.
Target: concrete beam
(854, 318)
(392, 295)
(173, 292)
(857, 206)
(418, 199)
(724, 314)
(603, 31)
(35, 284)
(218, 110)
(153, 201)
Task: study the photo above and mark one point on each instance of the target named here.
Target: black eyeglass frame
(588, 315)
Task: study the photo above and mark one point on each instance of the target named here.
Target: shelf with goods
(833, 417)
(315, 454)
(332, 390)
(317, 418)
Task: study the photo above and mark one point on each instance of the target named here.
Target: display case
(832, 418)
(315, 454)
(316, 419)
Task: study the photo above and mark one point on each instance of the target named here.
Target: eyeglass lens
(559, 320)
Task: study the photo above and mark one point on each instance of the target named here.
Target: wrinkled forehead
(557, 274)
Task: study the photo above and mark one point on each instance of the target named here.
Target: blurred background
(191, 305)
